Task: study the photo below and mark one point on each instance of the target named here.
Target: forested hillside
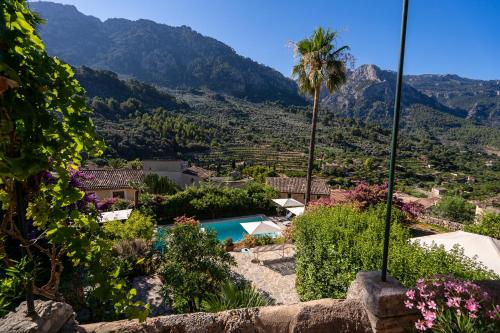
(139, 121)
(478, 98)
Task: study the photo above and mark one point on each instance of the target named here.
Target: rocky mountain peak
(369, 73)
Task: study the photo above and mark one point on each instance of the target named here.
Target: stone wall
(319, 316)
(453, 226)
(370, 306)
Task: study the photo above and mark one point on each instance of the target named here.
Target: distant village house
(113, 183)
(177, 171)
(295, 187)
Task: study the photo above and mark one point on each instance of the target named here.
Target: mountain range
(180, 58)
(173, 57)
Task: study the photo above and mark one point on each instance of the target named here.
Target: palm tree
(320, 63)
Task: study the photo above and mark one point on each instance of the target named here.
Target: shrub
(450, 305)
(365, 196)
(248, 241)
(211, 201)
(489, 225)
(194, 265)
(334, 243)
(455, 208)
(259, 172)
(134, 257)
(137, 226)
(235, 296)
(160, 185)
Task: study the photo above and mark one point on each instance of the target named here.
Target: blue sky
(444, 36)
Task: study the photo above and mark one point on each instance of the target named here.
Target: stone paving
(267, 278)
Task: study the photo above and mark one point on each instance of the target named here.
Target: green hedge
(209, 201)
(335, 243)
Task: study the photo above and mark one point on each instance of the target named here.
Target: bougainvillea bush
(450, 305)
(364, 196)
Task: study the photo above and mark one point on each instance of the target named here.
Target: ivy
(45, 130)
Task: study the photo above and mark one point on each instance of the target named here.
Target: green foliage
(259, 172)
(160, 185)
(138, 226)
(14, 280)
(455, 208)
(489, 225)
(195, 263)
(45, 127)
(211, 201)
(234, 296)
(333, 244)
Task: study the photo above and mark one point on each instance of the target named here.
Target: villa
(113, 183)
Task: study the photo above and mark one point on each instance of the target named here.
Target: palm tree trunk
(312, 145)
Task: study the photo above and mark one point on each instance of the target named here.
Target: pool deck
(279, 286)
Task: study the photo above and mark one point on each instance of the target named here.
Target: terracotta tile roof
(298, 185)
(200, 172)
(112, 178)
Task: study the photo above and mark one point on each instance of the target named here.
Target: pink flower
(492, 314)
(453, 302)
(472, 315)
(432, 305)
(421, 306)
(429, 316)
(472, 305)
(410, 294)
(408, 304)
(420, 325)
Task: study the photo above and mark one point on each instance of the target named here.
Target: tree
(320, 62)
(489, 225)
(45, 127)
(455, 208)
(194, 265)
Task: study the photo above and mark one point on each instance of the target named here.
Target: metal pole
(21, 216)
(394, 143)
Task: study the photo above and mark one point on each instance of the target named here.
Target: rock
(149, 291)
(50, 317)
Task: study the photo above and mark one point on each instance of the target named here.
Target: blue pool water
(231, 227)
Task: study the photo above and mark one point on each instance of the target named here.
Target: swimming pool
(231, 227)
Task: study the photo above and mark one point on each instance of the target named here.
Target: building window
(119, 194)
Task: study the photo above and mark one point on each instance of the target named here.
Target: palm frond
(320, 62)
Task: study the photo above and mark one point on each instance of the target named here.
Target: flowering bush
(448, 305)
(364, 196)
